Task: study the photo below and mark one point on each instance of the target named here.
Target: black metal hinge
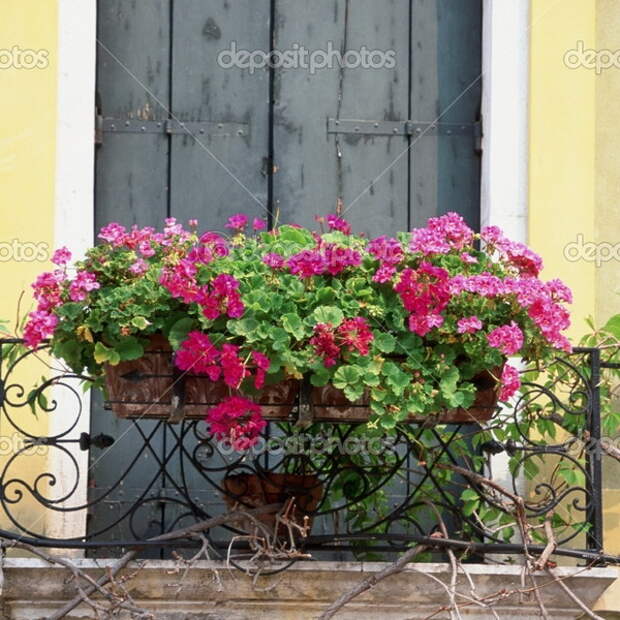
(402, 128)
(195, 129)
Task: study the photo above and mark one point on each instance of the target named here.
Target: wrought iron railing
(147, 477)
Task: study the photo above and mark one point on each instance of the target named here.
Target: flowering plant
(409, 320)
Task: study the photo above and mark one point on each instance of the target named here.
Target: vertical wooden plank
(316, 170)
(214, 177)
(132, 83)
(424, 107)
(460, 55)
(131, 188)
(446, 63)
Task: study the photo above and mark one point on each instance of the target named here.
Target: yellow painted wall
(27, 169)
(562, 145)
(575, 174)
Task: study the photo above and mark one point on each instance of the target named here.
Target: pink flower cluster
(239, 221)
(273, 260)
(527, 262)
(510, 382)
(337, 223)
(327, 258)
(40, 325)
(389, 253)
(424, 293)
(507, 338)
(83, 283)
(441, 235)
(199, 355)
(219, 296)
(50, 291)
(468, 325)
(144, 240)
(543, 301)
(352, 335)
(238, 420)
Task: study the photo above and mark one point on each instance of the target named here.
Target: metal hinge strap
(171, 127)
(402, 128)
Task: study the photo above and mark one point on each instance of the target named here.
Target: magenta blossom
(507, 338)
(510, 382)
(262, 366)
(233, 368)
(307, 263)
(61, 256)
(237, 222)
(324, 343)
(238, 420)
(337, 223)
(468, 325)
(113, 233)
(273, 260)
(80, 287)
(259, 224)
(40, 325)
(198, 355)
(139, 267)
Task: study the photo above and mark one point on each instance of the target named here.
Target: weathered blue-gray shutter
(391, 145)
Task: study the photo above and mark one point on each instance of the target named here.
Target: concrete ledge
(32, 589)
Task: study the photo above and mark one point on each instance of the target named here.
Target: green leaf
(613, 326)
(130, 349)
(70, 310)
(243, 327)
(320, 377)
(353, 392)
(346, 376)
(397, 379)
(448, 382)
(386, 343)
(325, 295)
(295, 235)
(105, 354)
(469, 507)
(277, 333)
(469, 495)
(178, 332)
(140, 322)
(328, 314)
(293, 325)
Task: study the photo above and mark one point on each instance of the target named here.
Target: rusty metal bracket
(177, 404)
(305, 413)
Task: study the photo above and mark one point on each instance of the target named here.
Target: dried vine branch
(186, 532)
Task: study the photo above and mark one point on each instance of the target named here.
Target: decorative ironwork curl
(375, 499)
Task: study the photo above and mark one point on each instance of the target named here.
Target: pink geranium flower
(507, 338)
(61, 256)
(510, 382)
(468, 325)
(259, 224)
(238, 420)
(237, 222)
